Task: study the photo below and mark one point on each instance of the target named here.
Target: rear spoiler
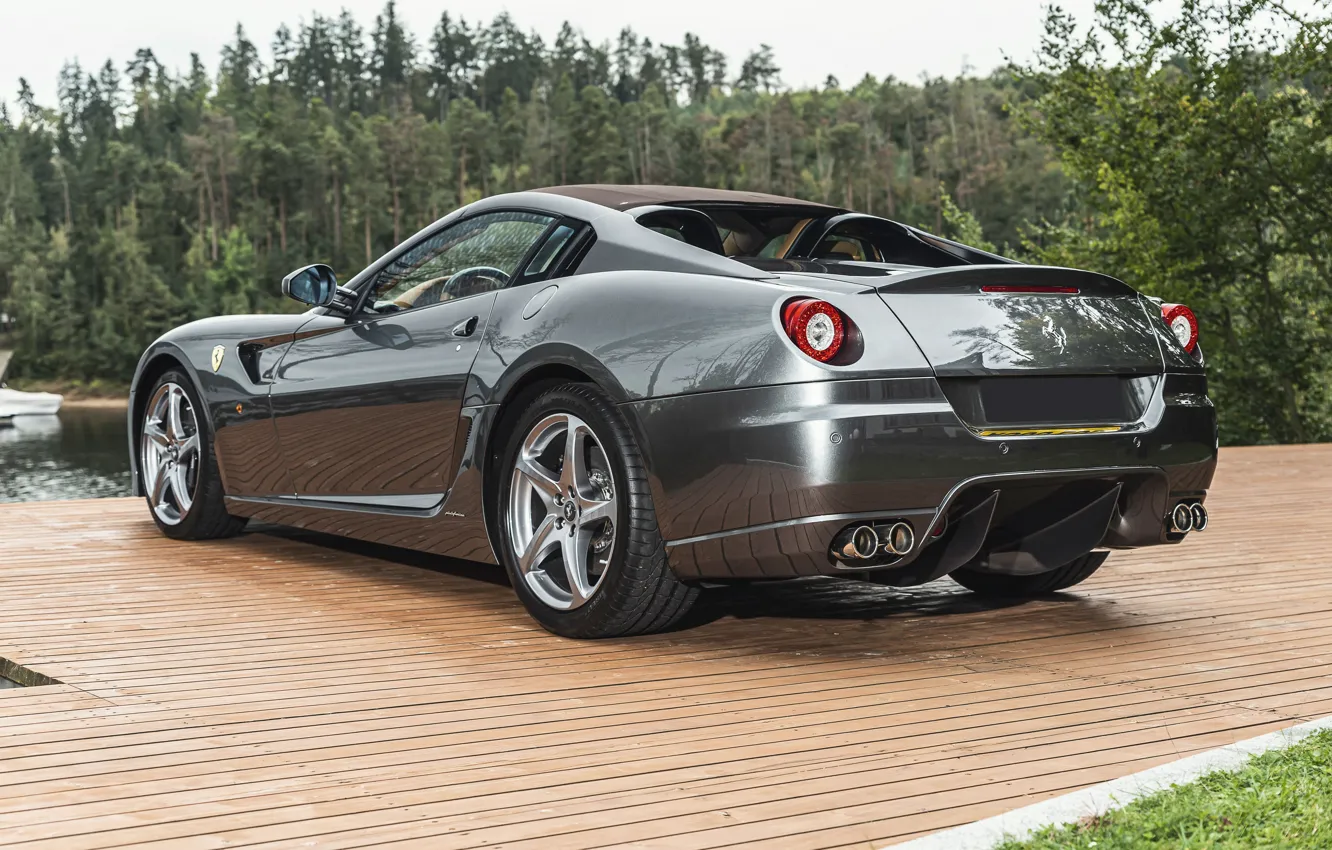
(970, 280)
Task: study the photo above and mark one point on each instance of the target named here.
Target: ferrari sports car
(623, 394)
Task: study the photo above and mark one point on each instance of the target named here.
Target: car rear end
(1002, 418)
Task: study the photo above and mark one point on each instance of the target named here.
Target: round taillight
(1183, 324)
(816, 327)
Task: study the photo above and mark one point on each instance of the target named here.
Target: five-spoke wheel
(176, 464)
(578, 533)
(170, 453)
(562, 511)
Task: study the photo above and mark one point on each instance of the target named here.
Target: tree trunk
(282, 223)
(64, 183)
(397, 216)
(550, 143)
(222, 177)
(462, 175)
(869, 179)
(790, 169)
(367, 238)
(337, 216)
(888, 184)
(202, 224)
(212, 211)
(397, 206)
(767, 149)
(647, 153)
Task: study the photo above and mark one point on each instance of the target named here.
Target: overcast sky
(904, 38)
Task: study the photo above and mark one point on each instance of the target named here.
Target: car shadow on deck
(720, 612)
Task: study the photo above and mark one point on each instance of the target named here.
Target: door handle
(466, 328)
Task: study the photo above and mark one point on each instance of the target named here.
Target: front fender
(233, 394)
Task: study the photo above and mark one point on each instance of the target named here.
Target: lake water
(79, 454)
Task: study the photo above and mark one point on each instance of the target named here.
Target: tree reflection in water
(80, 454)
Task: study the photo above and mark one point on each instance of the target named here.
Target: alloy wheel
(562, 511)
(169, 453)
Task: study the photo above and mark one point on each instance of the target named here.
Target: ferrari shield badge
(219, 351)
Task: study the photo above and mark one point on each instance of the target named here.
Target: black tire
(207, 517)
(1011, 587)
(637, 593)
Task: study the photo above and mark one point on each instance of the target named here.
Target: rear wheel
(998, 585)
(578, 532)
(177, 465)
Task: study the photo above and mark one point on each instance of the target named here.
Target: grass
(1281, 799)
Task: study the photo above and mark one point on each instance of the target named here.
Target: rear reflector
(1040, 290)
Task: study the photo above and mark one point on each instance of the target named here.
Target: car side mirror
(315, 285)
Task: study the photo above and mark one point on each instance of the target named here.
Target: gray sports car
(622, 393)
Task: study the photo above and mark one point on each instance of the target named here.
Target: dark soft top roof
(627, 197)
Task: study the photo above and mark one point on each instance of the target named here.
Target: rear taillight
(816, 327)
(1183, 324)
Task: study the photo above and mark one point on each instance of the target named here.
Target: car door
(367, 407)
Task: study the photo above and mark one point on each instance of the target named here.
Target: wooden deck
(282, 691)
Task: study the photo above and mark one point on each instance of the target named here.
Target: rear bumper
(754, 483)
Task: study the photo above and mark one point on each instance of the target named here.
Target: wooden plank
(273, 690)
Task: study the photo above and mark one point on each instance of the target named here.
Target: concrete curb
(1098, 799)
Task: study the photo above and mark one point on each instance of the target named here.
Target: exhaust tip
(899, 539)
(860, 544)
(1199, 516)
(1181, 519)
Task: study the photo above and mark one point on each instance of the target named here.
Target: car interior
(758, 233)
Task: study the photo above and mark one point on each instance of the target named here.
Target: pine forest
(1189, 155)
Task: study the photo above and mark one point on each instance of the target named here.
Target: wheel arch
(544, 369)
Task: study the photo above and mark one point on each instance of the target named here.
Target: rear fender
(644, 335)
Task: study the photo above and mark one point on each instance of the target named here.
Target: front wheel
(1010, 587)
(578, 531)
(177, 465)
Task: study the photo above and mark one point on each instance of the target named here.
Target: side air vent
(249, 358)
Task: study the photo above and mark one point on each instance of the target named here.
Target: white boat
(16, 403)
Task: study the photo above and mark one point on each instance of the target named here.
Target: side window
(686, 225)
(541, 262)
(473, 256)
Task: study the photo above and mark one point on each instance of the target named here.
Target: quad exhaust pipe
(860, 544)
(1199, 517)
(1188, 517)
(900, 539)
(864, 542)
